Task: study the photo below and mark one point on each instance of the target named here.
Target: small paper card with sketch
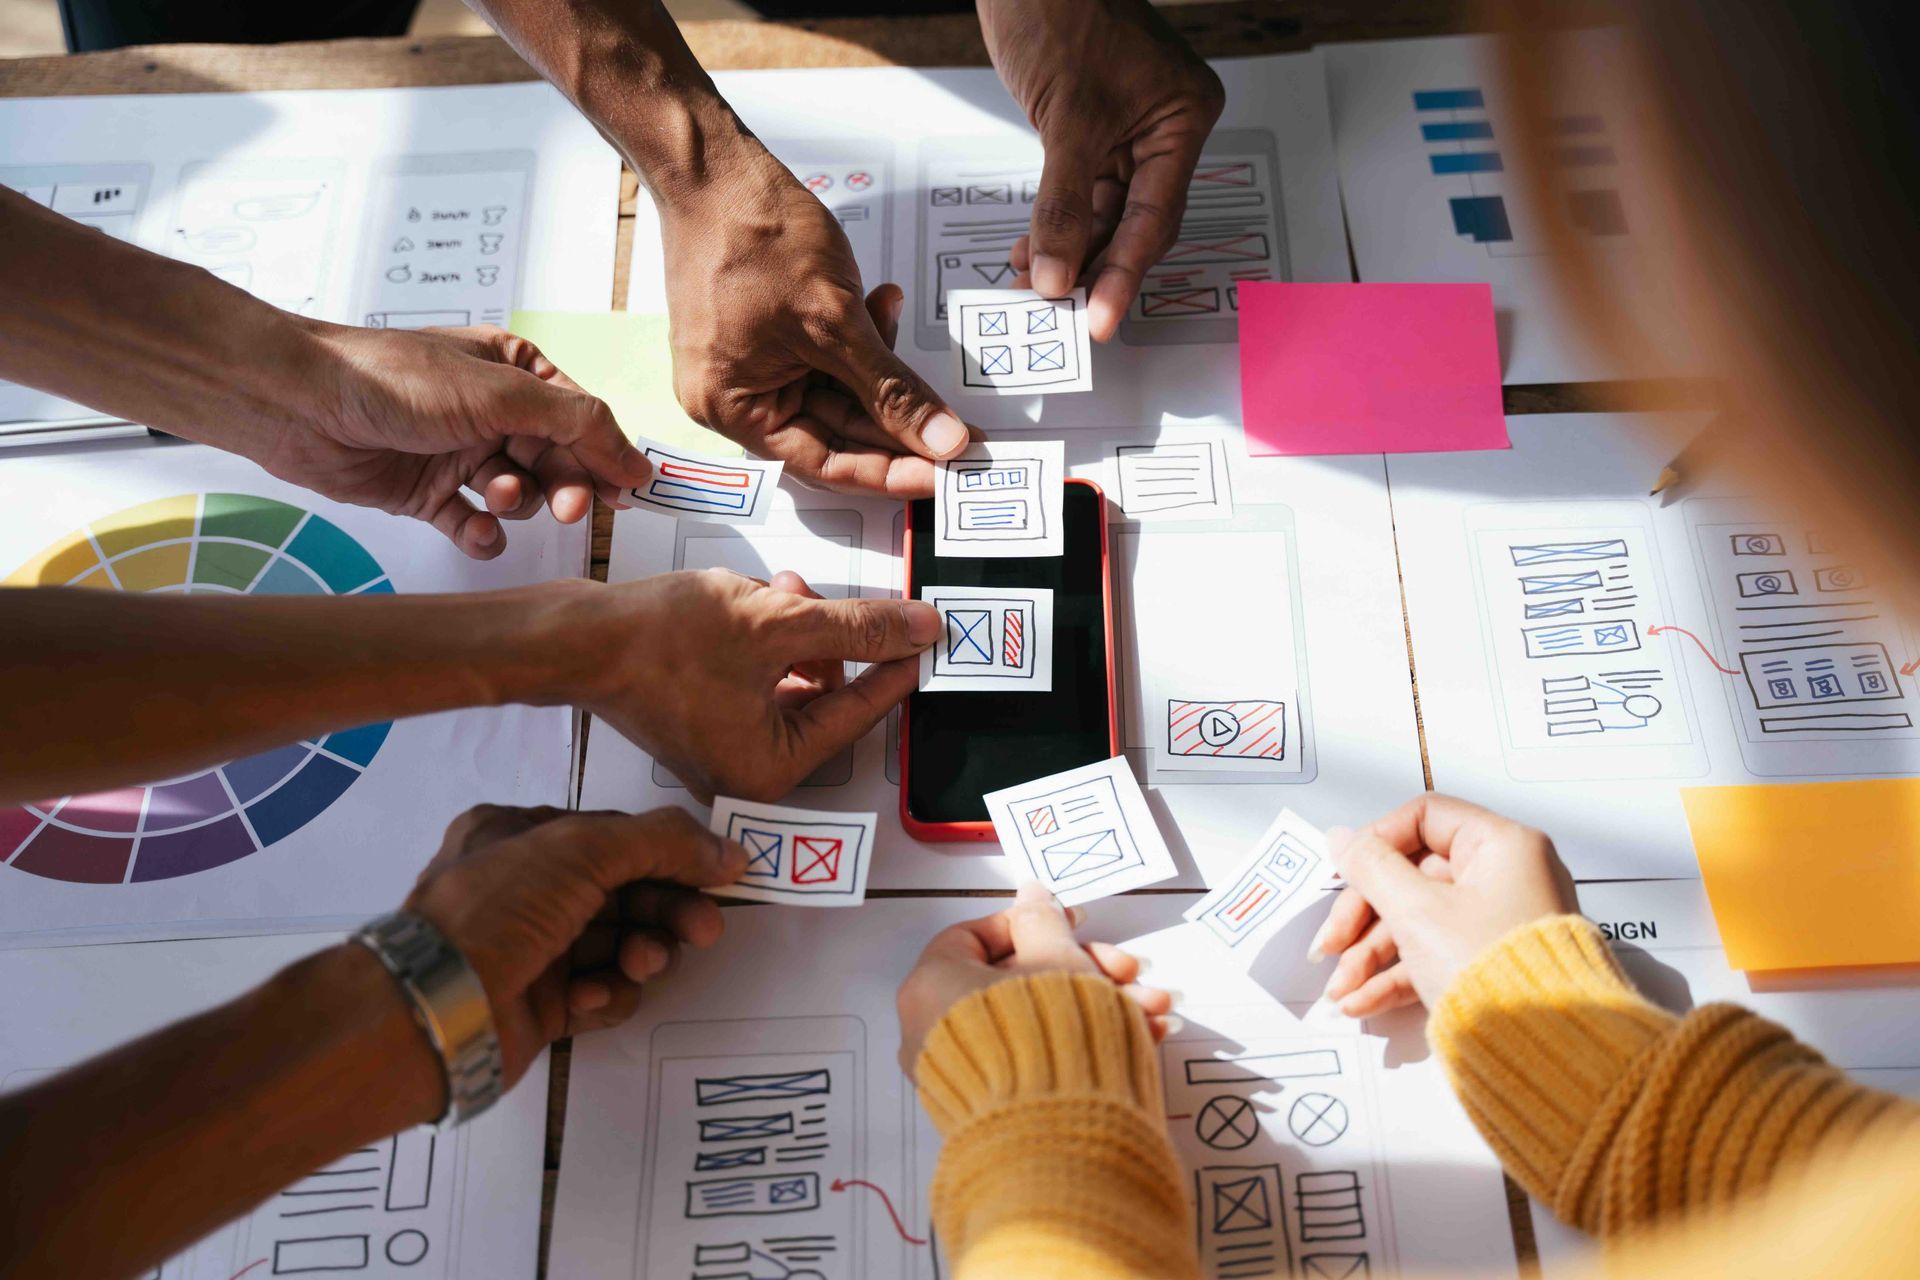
(1013, 342)
(693, 487)
(1085, 834)
(1282, 875)
(1001, 499)
(806, 857)
(992, 640)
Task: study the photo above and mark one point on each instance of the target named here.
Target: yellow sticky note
(1811, 875)
(622, 357)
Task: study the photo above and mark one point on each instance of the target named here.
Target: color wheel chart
(231, 543)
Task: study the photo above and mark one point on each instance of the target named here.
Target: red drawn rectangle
(706, 475)
(816, 859)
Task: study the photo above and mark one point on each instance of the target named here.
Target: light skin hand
(564, 915)
(1123, 107)
(737, 685)
(1429, 888)
(1035, 935)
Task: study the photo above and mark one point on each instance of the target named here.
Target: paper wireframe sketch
(806, 857)
(1013, 342)
(1085, 833)
(693, 486)
(1001, 499)
(1280, 876)
(992, 640)
(1172, 480)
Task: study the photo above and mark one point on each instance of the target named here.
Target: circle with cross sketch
(1227, 1123)
(1317, 1118)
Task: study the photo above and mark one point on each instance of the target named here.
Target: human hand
(774, 347)
(1035, 935)
(737, 685)
(1123, 108)
(1429, 888)
(563, 915)
(404, 420)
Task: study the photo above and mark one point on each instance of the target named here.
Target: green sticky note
(624, 358)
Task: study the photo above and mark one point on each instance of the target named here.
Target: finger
(1381, 993)
(508, 490)
(1153, 1002)
(601, 1000)
(568, 486)
(688, 915)
(845, 462)
(1112, 961)
(555, 408)
(476, 533)
(863, 630)
(898, 399)
(1156, 200)
(1384, 875)
(884, 305)
(1062, 215)
(646, 953)
(1169, 1025)
(611, 850)
(1351, 915)
(813, 677)
(844, 716)
(1042, 934)
(1430, 821)
(1375, 952)
(987, 940)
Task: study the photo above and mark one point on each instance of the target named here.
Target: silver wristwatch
(449, 1004)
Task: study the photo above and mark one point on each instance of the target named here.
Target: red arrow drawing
(1656, 630)
(1910, 668)
(841, 1184)
(257, 1262)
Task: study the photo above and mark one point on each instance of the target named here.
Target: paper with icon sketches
(806, 857)
(1085, 833)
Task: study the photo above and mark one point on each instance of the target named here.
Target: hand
(1429, 888)
(1123, 107)
(737, 685)
(773, 347)
(1035, 935)
(408, 418)
(563, 915)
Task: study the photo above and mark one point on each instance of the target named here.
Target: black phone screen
(962, 745)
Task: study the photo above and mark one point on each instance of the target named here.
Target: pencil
(1695, 458)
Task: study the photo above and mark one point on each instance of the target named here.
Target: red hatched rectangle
(1013, 638)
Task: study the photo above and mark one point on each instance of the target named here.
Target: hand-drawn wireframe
(687, 485)
(1247, 729)
(264, 225)
(1280, 876)
(977, 200)
(1001, 499)
(1173, 480)
(1584, 688)
(792, 1091)
(443, 240)
(106, 197)
(1227, 1123)
(1242, 1221)
(1317, 1118)
(991, 640)
(1013, 342)
(1335, 1266)
(807, 857)
(855, 182)
(1329, 1206)
(1819, 653)
(1085, 833)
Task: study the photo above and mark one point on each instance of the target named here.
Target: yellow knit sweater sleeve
(1056, 1163)
(1618, 1114)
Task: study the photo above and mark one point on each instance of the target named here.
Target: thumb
(1381, 874)
(1042, 934)
(1062, 218)
(552, 406)
(869, 630)
(897, 399)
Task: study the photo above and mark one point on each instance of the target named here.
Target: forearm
(1617, 1113)
(626, 66)
(123, 1161)
(109, 688)
(141, 336)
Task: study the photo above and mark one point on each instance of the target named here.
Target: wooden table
(1215, 30)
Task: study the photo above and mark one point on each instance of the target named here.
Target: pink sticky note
(1369, 368)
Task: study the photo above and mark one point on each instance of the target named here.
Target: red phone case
(952, 832)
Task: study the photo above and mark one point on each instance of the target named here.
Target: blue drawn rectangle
(1466, 162)
(760, 1087)
(1567, 552)
(1448, 99)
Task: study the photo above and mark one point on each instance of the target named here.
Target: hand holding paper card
(1014, 342)
(992, 639)
(1280, 877)
(1001, 499)
(1085, 834)
(694, 487)
(808, 857)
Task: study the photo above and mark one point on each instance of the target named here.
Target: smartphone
(957, 747)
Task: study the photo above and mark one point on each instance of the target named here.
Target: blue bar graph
(1447, 99)
(1456, 130)
(1467, 162)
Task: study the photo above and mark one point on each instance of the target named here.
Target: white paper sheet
(308, 198)
(1001, 498)
(961, 168)
(1282, 875)
(1085, 833)
(697, 487)
(1013, 342)
(992, 640)
(803, 857)
(1174, 478)
(310, 836)
(1586, 721)
(1358, 731)
(1378, 1129)
(1663, 933)
(464, 1203)
(1430, 175)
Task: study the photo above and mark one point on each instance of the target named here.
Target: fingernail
(944, 434)
(488, 535)
(733, 859)
(1175, 998)
(1145, 962)
(650, 960)
(923, 622)
(1051, 276)
(1173, 1023)
(1076, 916)
(1035, 894)
(1317, 949)
(895, 305)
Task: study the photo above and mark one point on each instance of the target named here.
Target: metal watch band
(449, 1004)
